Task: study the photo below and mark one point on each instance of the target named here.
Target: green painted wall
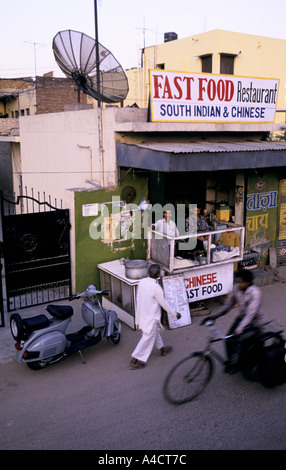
(89, 252)
(262, 213)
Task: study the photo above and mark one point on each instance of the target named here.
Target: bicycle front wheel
(188, 378)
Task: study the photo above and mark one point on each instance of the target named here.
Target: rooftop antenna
(144, 32)
(35, 58)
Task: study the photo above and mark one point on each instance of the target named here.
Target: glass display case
(220, 246)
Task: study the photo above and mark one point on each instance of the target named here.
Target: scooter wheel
(37, 365)
(17, 327)
(115, 338)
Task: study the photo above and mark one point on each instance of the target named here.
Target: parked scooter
(42, 340)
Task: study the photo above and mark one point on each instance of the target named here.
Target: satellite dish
(75, 54)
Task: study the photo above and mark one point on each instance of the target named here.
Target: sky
(124, 26)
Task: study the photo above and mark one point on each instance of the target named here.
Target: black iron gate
(36, 255)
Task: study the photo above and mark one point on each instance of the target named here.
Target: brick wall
(54, 93)
(9, 85)
(9, 126)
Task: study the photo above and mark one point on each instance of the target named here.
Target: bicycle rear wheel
(188, 378)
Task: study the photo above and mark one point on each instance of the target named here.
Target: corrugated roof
(201, 146)
(201, 155)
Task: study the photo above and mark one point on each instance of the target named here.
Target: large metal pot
(136, 268)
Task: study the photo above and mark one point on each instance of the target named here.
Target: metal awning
(202, 155)
(4, 95)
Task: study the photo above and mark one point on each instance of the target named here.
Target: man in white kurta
(150, 300)
(167, 226)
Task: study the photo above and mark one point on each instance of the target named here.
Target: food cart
(205, 275)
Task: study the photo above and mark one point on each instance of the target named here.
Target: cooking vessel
(136, 268)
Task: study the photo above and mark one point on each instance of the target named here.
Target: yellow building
(216, 52)
(17, 97)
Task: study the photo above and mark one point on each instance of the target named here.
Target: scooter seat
(36, 323)
(62, 312)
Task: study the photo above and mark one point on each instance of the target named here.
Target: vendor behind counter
(227, 239)
(202, 227)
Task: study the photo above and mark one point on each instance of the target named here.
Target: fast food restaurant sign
(192, 97)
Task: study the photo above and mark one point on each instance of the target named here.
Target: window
(160, 66)
(207, 63)
(227, 64)
(22, 112)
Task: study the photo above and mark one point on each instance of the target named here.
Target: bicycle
(190, 376)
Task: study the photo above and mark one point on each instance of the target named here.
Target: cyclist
(250, 320)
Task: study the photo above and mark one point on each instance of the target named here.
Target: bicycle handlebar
(209, 323)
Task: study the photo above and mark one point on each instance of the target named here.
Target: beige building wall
(255, 56)
(61, 151)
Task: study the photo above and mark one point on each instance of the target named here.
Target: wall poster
(281, 244)
(261, 213)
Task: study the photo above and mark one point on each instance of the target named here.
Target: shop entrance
(207, 189)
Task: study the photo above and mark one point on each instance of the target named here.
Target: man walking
(150, 299)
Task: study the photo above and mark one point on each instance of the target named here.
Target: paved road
(102, 405)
